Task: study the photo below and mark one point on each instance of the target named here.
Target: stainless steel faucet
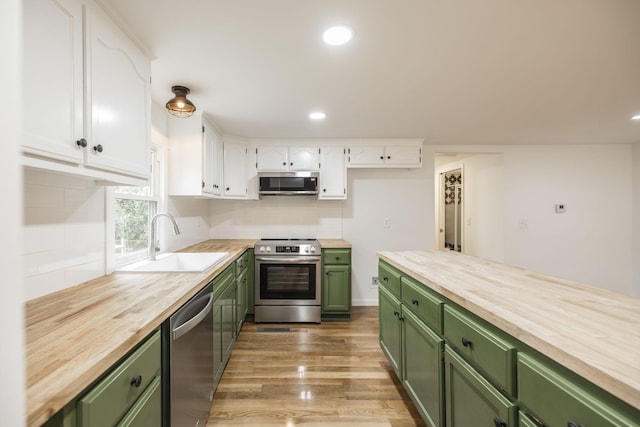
(153, 246)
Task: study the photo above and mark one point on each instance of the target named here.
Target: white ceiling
(447, 71)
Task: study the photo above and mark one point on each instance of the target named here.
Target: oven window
(288, 281)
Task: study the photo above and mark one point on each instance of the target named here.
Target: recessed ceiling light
(636, 117)
(340, 34)
(318, 115)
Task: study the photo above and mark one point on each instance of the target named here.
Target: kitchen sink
(178, 262)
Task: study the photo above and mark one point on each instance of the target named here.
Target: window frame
(156, 183)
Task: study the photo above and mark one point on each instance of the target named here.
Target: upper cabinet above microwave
(86, 93)
(276, 158)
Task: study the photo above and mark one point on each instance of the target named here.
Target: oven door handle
(293, 259)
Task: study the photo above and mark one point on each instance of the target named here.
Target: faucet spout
(153, 246)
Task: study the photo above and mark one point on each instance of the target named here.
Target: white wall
(405, 197)
(12, 364)
(590, 243)
(64, 232)
(635, 288)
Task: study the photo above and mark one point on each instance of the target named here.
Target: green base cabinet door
(390, 328)
(336, 288)
(556, 400)
(148, 408)
(471, 400)
(423, 368)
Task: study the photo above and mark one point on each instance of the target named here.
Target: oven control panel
(286, 248)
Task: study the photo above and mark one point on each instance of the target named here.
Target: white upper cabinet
(235, 169)
(52, 76)
(333, 173)
(195, 157)
(118, 102)
(86, 91)
(405, 154)
(277, 158)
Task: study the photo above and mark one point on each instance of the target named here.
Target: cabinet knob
(385, 278)
(324, 190)
(81, 142)
(381, 157)
(466, 342)
(136, 381)
(389, 157)
(499, 422)
(337, 258)
(414, 302)
(284, 163)
(291, 164)
(97, 148)
(572, 424)
(227, 188)
(395, 313)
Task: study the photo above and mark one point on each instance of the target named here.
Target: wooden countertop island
(73, 336)
(593, 332)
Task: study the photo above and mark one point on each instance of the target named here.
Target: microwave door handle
(280, 260)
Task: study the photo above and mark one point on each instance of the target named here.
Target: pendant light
(179, 105)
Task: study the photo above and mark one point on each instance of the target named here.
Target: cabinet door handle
(395, 313)
(81, 142)
(499, 422)
(572, 424)
(385, 278)
(466, 342)
(414, 302)
(97, 148)
(136, 381)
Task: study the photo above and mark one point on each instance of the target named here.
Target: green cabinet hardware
(423, 371)
(108, 401)
(390, 328)
(424, 304)
(555, 399)
(389, 277)
(336, 283)
(470, 399)
(485, 350)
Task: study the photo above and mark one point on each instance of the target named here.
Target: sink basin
(178, 262)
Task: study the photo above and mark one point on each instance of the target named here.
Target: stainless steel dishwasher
(191, 361)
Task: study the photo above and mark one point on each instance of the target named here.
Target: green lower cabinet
(555, 399)
(224, 322)
(336, 289)
(148, 408)
(390, 328)
(471, 400)
(241, 299)
(525, 421)
(423, 371)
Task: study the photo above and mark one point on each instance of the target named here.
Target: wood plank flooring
(333, 374)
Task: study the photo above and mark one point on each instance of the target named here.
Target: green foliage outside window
(131, 225)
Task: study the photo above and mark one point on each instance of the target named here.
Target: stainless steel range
(287, 280)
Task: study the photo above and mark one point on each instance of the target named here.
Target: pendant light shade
(179, 105)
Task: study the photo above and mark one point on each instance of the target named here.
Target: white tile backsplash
(63, 233)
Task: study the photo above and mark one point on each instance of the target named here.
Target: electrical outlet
(523, 224)
(374, 282)
(561, 208)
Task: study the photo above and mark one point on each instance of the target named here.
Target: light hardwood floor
(333, 374)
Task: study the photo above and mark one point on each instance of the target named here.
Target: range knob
(268, 248)
(307, 249)
(313, 249)
(261, 249)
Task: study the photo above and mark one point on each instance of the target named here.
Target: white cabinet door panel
(303, 158)
(235, 172)
(400, 155)
(366, 155)
(333, 173)
(272, 158)
(118, 101)
(52, 72)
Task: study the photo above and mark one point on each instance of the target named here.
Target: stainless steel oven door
(284, 280)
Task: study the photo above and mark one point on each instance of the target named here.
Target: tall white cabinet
(333, 173)
(86, 92)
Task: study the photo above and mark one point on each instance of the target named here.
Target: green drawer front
(242, 262)
(524, 421)
(423, 304)
(223, 280)
(107, 402)
(470, 399)
(148, 409)
(336, 256)
(485, 350)
(389, 277)
(557, 401)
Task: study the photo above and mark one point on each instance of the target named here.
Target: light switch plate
(560, 208)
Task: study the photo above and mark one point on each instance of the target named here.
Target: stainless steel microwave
(287, 183)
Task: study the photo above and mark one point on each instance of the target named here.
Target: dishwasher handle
(193, 322)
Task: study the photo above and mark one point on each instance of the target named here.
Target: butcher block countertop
(334, 244)
(73, 336)
(593, 332)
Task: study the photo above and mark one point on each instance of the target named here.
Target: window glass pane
(132, 225)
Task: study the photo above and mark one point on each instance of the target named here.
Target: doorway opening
(451, 208)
